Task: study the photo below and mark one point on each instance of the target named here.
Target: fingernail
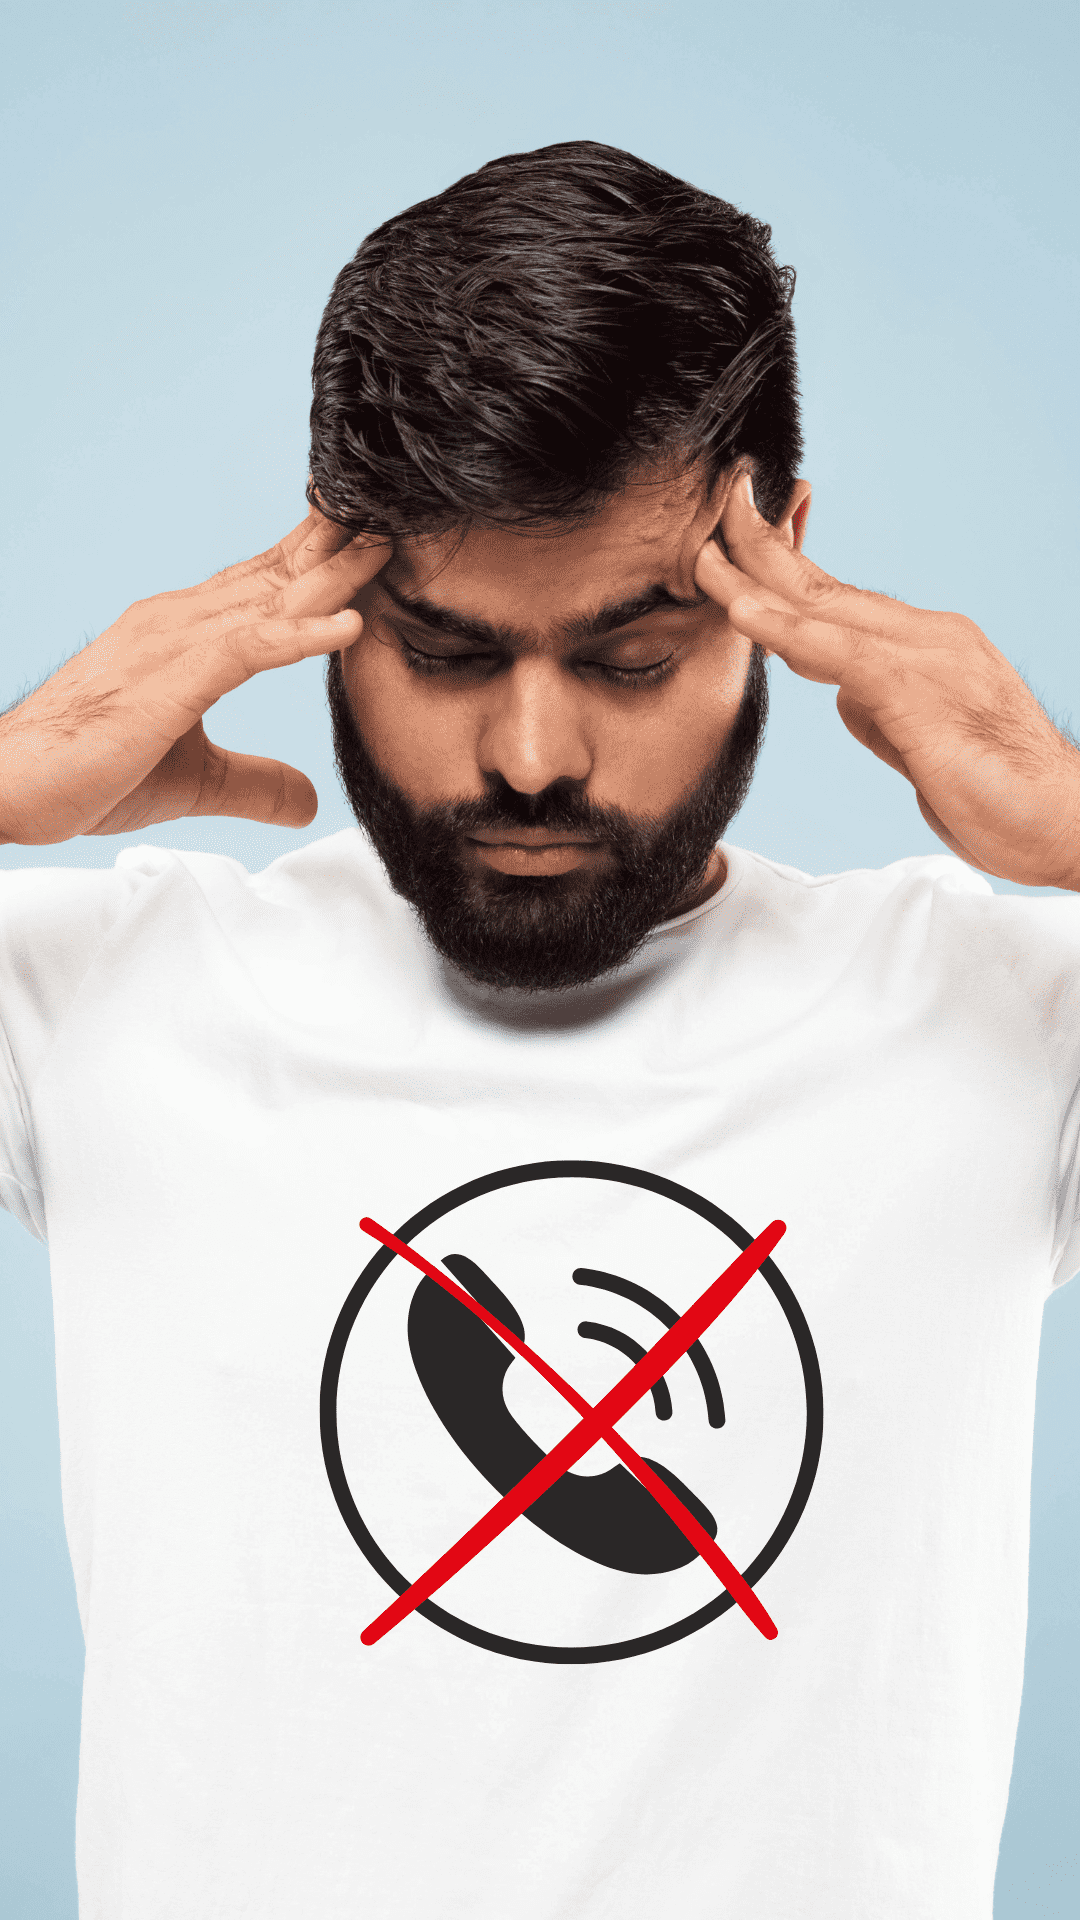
(750, 490)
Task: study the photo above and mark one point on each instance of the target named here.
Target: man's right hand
(115, 740)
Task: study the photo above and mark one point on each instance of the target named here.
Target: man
(643, 1531)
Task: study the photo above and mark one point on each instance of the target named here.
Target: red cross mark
(597, 1423)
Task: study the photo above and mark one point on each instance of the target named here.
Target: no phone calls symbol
(404, 1352)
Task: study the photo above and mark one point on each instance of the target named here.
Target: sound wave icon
(614, 1337)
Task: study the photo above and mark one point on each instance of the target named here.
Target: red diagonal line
(592, 1427)
(725, 1570)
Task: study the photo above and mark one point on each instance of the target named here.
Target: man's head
(539, 385)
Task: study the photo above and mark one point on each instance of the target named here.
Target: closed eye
(431, 664)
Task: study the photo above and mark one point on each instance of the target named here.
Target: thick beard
(561, 930)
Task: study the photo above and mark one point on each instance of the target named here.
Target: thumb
(938, 826)
(860, 722)
(245, 786)
(196, 777)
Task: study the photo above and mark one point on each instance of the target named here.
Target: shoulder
(862, 888)
(936, 892)
(55, 921)
(325, 892)
(931, 922)
(321, 871)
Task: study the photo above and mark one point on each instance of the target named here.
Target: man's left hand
(926, 692)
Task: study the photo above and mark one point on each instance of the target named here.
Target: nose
(534, 733)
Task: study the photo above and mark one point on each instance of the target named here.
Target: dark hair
(510, 349)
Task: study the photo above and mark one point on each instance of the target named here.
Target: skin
(115, 739)
(926, 692)
(511, 653)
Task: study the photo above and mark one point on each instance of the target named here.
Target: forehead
(649, 534)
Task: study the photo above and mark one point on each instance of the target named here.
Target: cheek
(422, 742)
(655, 755)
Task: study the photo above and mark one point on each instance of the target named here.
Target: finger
(309, 546)
(245, 786)
(761, 553)
(937, 826)
(304, 585)
(725, 584)
(314, 532)
(176, 688)
(195, 777)
(316, 539)
(329, 586)
(266, 644)
(237, 786)
(858, 721)
(233, 650)
(814, 649)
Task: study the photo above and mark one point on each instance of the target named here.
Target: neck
(712, 881)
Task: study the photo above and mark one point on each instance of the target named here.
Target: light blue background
(183, 182)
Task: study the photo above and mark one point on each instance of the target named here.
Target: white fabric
(207, 1078)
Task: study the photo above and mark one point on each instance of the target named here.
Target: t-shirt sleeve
(1045, 959)
(1068, 1259)
(52, 924)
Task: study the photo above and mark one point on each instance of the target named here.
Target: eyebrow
(587, 626)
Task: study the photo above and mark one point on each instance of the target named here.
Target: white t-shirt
(208, 1078)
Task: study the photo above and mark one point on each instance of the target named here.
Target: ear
(792, 523)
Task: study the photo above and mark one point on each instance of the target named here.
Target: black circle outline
(517, 1176)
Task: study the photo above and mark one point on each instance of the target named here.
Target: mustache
(560, 808)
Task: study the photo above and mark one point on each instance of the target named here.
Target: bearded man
(547, 1301)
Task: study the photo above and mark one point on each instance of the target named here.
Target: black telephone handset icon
(608, 1517)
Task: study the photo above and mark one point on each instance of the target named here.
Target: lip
(530, 853)
(533, 838)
